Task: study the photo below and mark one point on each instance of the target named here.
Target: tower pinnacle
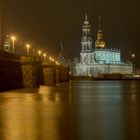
(86, 22)
(86, 41)
(100, 43)
(86, 17)
(99, 23)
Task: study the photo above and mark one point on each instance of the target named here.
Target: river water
(79, 110)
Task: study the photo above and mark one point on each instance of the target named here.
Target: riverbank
(107, 77)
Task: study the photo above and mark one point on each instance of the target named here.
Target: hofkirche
(100, 59)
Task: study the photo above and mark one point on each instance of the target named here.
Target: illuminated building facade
(99, 60)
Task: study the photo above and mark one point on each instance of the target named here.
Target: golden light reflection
(45, 89)
(28, 118)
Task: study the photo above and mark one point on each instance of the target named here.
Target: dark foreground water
(81, 110)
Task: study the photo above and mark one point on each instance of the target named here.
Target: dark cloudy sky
(49, 22)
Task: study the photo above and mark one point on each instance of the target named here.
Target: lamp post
(133, 63)
(57, 63)
(28, 49)
(133, 59)
(53, 60)
(39, 53)
(50, 58)
(133, 55)
(13, 38)
(44, 56)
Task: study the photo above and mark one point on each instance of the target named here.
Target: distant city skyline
(52, 22)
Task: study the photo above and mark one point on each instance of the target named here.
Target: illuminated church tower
(100, 43)
(99, 60)
(86, 41)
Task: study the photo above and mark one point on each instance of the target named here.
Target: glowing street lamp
(133, 59)
(53, 60)
(44, 56)
(13, 38)
(50, 58)
(57, 63)
(133, 55)
(28, 49)
(39, 52)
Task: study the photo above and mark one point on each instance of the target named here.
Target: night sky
(48, 22)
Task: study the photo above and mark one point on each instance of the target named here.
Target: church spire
(86, 41)
(100, 43)
(86, 17)
(100, 23)
(86, 22)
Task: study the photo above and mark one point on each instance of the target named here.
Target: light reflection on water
(82, 110)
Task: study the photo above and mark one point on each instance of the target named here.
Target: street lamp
(133, 59)
(53, 60)
(50, 58)
(28, 49)
(133, 55)
(39, 52)
(13, 38)
(57, 63)
(44, 56)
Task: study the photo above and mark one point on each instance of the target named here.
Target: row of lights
(28, 47)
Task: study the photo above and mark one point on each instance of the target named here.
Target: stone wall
(10, 70)
(32, 72)
(28, 72)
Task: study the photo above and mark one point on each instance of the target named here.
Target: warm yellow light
(44, 54)
(39, 52)
(13, 38)
(28, 49)
(57, 63)
(28, 46)
(52, 60)
(133, 55)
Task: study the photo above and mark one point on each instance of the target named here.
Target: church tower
(100, 43)
(86, 41)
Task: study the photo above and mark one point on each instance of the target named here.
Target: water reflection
(82, 110)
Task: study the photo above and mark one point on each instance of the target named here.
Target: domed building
(100, 59)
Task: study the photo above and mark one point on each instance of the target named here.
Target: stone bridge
(28, 72)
